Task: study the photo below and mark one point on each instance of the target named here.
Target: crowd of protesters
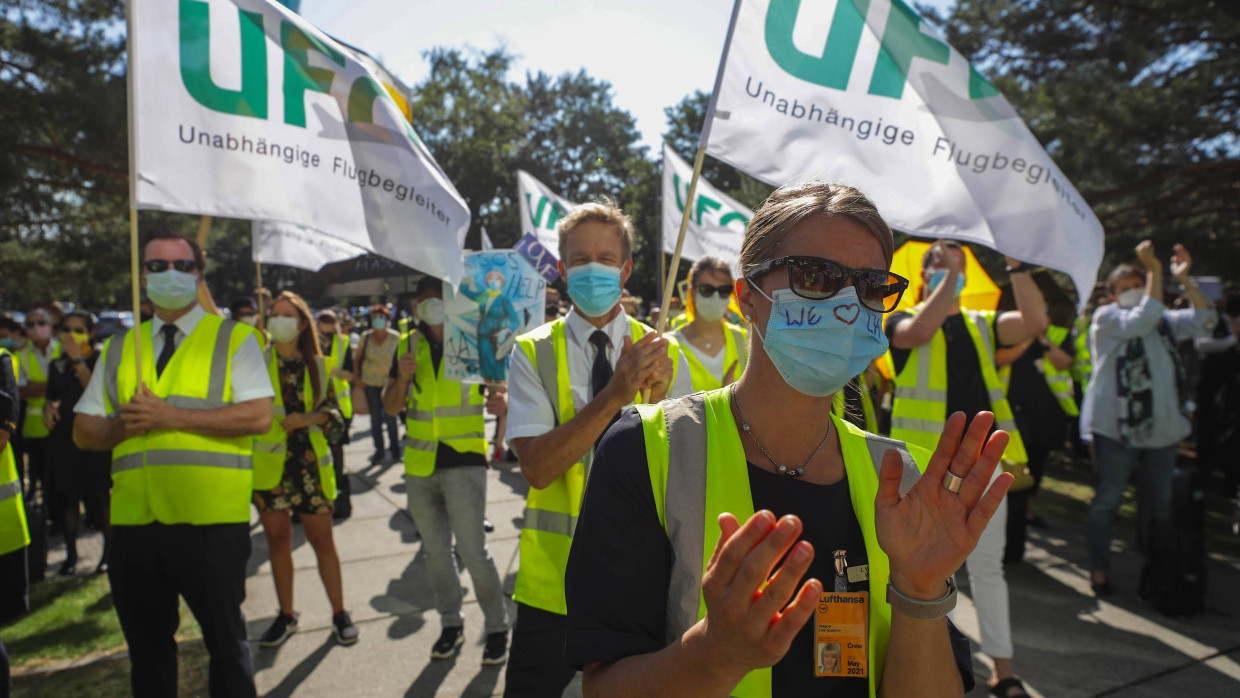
(163, 438)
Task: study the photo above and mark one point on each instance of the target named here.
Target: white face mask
(710, 309)
(1130, 298)
(283, 329)
(251, 320)
(431, 311)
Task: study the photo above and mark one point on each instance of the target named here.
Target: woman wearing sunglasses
(714, 348)
(675, 584)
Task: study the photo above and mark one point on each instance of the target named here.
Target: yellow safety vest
(711, 477)
(1060, 382)
(1083, 363)
(440, 410)
(33, 426)
(551, 513)
(177, 477)
(14, 535)
(271, 448)
(735, 351)
(920, 407)
(344, 393)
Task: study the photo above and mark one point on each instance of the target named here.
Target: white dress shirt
(250, 379)
(529, 409)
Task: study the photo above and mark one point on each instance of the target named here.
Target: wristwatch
(922, 610)
(78, 362)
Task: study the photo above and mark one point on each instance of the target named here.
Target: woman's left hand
(928, 533)
(294, 421)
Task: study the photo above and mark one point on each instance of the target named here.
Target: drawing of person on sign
(498, 324)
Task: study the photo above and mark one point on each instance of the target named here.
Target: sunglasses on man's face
(37, 323)
(156, 266)
(816, 278)
(707, 291)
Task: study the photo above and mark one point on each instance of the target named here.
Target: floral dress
(300, 488)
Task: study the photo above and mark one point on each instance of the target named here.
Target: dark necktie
(169, 331)
(601, 372)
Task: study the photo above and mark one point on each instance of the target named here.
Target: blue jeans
(379, 417)
(1115, 465)
(453, 501)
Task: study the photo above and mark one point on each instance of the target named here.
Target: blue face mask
(7, 343)
(172, 289)
(937, 276)
(378, 322)
(495, 284)
(594, 287)
(818, 346)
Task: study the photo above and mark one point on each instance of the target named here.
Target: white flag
(540, 209)
(243, 109)
(486, 240)
(294, 246)
(872, 98)
(716, 222)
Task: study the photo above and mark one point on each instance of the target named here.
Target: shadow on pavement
(431, 678)
(483, 683)
(407, 598)
(298, 674)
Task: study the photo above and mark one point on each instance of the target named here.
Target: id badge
(841, 634)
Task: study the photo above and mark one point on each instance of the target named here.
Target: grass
(111, 677)
(71, 618)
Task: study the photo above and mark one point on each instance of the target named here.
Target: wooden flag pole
(205, 299)
(697, 172)
(134, 270)
(670, 283)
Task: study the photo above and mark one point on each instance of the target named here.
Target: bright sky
(653, 52)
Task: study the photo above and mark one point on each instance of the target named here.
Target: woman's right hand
(748, 626)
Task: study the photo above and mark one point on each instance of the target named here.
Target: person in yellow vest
(335, 346)
(1039, 388)
(445, 475)
(182, 439)
(33, 365)
(292, 465)
(14, 534)
(944, 362)
(674, 584)
(567, 383)
(715, 348)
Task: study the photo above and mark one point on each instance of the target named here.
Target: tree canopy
(1137, 103)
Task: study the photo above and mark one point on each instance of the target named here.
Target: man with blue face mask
(944, 361)
(567, 383)
(181, 437)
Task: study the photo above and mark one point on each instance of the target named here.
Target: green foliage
(1137, 103)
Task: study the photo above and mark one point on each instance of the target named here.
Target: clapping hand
(928, 532)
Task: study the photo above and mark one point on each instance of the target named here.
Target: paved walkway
(1067, 643)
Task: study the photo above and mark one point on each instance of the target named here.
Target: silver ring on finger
(952, 482)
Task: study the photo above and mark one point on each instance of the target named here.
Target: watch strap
(918, 609)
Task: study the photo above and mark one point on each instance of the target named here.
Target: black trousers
(536, 667)
(1018, 502)
(150, 567)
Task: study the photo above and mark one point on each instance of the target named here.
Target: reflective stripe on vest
(920, 407)
(699, 435)
(271, 449)
(439, 411)
(551, 512)
(344, 394)
(170, 476)
(14, 534)
(33, 426)
(1060, 382)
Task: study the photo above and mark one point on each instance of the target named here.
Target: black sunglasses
(815, 278)
(707, 291)
(156, 266)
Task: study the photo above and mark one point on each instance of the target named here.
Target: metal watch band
(922, 610)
